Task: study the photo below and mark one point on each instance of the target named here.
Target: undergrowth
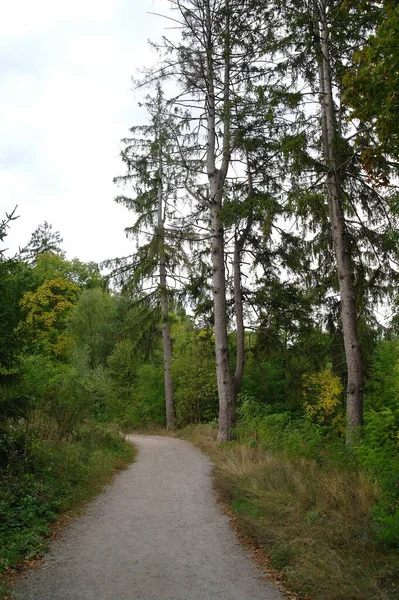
(314, 516)
(48, 473)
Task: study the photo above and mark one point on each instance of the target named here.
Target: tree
(318, 45)
(371, 85)
(47, 311)
(43, 239)
(152, 157)
(4, 225)
(49, 265)
(93, 325)
(15, 280)
(342, 249)
(209, 64)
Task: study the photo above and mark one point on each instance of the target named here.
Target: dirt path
(155, 534)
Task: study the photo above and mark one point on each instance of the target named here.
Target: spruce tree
(152, 156)
(317, 41)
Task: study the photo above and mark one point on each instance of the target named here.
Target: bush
(196, 397)
(52, 474)
(323, 394)
(145, 405)
(378, 453)
(281, 432)
(379, 446)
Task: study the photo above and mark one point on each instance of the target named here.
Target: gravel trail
(155, 534)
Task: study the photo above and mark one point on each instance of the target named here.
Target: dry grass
(316, 524)
(145, 430)
(203, 436)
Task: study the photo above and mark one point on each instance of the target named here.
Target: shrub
(52, 474)
(378, 453)
(145, 405)
(322, 393)
(196, 397)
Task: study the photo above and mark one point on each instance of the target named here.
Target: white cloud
(24, 18)
(66, 101)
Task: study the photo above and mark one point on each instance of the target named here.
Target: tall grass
(313, 518)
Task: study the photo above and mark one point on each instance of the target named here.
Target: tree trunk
(167, 350)
(166, 338)
(226, 389)
(238, 304)
(216, 179)
(354, 403)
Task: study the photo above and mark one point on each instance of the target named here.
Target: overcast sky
(65, 102)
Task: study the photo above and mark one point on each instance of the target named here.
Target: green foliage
(196, 396)
(323, 394)
(122, 374)
(138, 321)
(372, 85)
(382, 390)
(53, 454)
(15, 281)
(46, 313)
(378, 450)
(67, 393)
(146, 405)
(274, 371)
(122, 366)
(49, 265)
(56, 474)
(194, 374)
(265, 379)
(280, 432)
(93, 326)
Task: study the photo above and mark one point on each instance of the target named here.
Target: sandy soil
(155, 534)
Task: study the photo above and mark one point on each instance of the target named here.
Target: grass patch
(314, 520)
(145, 430)
(52, 474)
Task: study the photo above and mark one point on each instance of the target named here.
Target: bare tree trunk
(223, 373)
(166, 338)
(167, 349)
(354, 404)
(217, 178)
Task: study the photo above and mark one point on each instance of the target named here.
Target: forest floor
(156, 533)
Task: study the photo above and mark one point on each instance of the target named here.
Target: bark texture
(167, 350)
(226, 388)
(217, 179)
(341, 243)
(166, 338)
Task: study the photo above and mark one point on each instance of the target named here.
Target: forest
(257, 314)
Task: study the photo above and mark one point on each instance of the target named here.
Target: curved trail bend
(155, 534)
